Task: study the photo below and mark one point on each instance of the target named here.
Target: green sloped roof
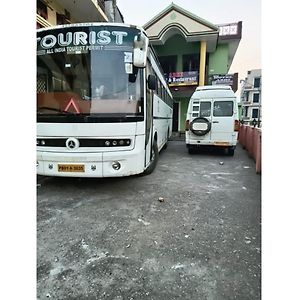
(179, 9)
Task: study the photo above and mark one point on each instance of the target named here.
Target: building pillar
(202, 63)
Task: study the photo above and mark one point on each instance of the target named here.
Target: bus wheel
(166, 144)
(153, 160)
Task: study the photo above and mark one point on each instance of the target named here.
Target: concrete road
(113, 239)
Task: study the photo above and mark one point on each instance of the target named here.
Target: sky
(248, 55)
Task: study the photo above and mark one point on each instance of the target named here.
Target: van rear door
(202, 109)
(222, 119)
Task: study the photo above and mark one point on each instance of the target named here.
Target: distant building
(251, 98)
(192, 52)
(57, 12)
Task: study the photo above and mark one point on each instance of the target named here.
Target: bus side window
(157, 86)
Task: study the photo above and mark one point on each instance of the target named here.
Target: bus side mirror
(140, 48)
(151, 82)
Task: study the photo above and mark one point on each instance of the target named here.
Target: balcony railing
(250, 87)
(101, 4)
(42, 21)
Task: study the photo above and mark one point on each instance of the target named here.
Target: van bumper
(201, 141)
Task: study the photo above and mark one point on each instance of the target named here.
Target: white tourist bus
(103, 106)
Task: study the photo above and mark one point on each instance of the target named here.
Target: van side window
(205, 108)
(223, 109)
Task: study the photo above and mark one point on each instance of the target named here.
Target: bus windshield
(87, 71)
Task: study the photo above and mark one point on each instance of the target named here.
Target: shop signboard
(230, 31)
(225, 79)
(182, 78)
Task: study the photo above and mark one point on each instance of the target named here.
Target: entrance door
(175, 116)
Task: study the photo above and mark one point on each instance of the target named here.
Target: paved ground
(113, 239)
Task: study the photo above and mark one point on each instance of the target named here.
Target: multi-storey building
(192, 52)
(56, 12)
(251, 98)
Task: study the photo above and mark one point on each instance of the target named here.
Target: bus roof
(91, 24)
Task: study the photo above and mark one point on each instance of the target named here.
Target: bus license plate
(70, 168)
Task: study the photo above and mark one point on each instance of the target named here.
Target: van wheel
(230, 151)
(191, 150)
(153, 159)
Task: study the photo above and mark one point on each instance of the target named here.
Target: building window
(246, 96)
(246, 111)
(254, 113)
(190, 62)
(257, 82)
(256, 98)
(168, 63)
(42, 9)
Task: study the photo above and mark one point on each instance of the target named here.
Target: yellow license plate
(70, 168)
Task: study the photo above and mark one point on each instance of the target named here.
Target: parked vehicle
(104, 108)
(212, 118)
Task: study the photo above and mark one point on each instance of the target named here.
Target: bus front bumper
(93, 164)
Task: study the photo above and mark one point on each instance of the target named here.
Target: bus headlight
(116, 165)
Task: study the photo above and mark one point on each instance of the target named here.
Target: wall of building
(218, 61)
(177, 45)
(184, 102)
(54, 10)
(247, 98)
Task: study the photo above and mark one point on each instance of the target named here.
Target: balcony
(250, 87)
(85, 11)
(246, 102)
(41, 21)
(101, 4)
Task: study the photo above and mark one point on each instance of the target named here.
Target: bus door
(149, 117)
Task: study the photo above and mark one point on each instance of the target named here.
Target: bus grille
(51, 142)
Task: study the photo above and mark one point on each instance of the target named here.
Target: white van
(212, 118)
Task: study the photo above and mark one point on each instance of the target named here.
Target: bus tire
(153, 160)
(165, 146)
